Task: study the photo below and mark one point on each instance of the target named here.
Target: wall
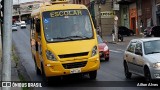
(154, 9)
(124, 15)
(146, 12)
(106, 23)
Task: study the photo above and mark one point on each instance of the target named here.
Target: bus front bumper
(57, 69)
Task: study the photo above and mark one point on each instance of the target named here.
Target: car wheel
(147, 74)
(126, 71)
(107, 59)
(93, 75)
(121, 39)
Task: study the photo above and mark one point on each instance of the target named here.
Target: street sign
(107, 14)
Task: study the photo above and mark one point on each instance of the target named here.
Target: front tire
(147, 74)
(38, 71)
(45, 79)
(93, 75)
(126, 71)
(107, 59)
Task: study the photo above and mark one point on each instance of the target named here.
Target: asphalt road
(110, 75)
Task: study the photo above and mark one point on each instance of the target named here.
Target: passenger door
(129, 54)
(138, 58)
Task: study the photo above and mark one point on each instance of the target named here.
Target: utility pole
(116, 28)
(99, 13)
(1, 24)
(115, 20)
(7, 42)
(19, 11)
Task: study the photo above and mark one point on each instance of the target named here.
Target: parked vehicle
(142, 57)
(122, 30)
(17, 23)
(155, 31)
(23, 24)
(103, 49)
(152, 31)
(14, 28)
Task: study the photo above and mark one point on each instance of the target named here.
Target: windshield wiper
(83, 37)
(62, 38)
(152, 52)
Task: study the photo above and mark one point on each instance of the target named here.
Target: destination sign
(61, 13)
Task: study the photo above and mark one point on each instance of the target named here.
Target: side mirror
(138, 53)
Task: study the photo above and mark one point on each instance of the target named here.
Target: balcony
(125, 2)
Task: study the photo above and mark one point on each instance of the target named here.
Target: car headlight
(105, 48)
(94, 51)
(50, 55)
(156, 65)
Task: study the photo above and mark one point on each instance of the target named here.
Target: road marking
(120, 50)
(115, 51)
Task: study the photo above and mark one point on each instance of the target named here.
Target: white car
(23, 24)
(14, 28)
(17, 23)
(142, 57)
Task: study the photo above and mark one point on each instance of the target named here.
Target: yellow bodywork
(55, 68)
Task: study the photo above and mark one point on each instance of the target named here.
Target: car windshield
(99, 39)
(67, 25)
(151, 47)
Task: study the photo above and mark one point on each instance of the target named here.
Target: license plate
(76, 70)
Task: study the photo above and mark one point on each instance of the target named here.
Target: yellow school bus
(63, 40)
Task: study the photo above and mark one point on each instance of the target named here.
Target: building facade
(156, 12)
(136, 14)
(104, 16)
(22, 11)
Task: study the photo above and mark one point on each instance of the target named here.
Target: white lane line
(115, 51)
(121, 50)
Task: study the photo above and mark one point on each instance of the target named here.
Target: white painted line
(115, 51)
(120, 50)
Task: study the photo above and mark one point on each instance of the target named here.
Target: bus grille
(73, 55)
(74, 65)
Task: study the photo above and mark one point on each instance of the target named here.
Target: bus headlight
(50, 55)
(156, 65)
(94, 51)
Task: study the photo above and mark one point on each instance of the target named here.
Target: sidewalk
(14, 73)
(126, 39)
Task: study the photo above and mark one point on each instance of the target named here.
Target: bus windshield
(66, 25)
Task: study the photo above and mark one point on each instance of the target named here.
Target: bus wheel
(45, 79)
(38, 71)
(93, 75)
